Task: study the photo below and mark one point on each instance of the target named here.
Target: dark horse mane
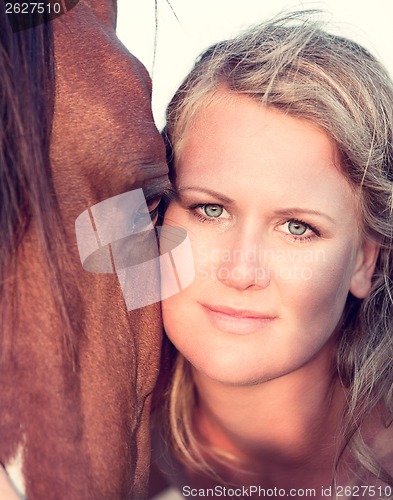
(27, 69)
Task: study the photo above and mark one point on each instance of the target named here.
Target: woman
(281, 154)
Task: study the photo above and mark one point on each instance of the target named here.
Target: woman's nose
(244, 265)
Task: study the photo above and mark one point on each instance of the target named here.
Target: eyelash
(214, 220)
(204, 218)
(301, 238)
(154, 211)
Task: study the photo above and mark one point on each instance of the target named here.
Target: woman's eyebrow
(291, 212)
(210, 192)
(288, 212)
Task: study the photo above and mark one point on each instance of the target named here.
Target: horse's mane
(27, 196)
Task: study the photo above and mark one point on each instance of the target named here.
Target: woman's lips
(237, 320)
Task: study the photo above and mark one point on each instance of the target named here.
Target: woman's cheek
(319, 284)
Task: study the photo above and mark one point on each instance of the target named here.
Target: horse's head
(78, 390)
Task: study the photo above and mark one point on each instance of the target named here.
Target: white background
(203, 22)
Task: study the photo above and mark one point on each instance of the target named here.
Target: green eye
(297, 228)
(213, 210)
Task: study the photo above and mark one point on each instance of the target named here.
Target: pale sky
(203, 22)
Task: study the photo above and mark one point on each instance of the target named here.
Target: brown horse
(76, 369)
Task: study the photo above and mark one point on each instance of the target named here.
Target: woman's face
(276, 244)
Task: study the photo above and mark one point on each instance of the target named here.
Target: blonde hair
(293, 64)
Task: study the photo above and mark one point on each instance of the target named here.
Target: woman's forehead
(242, 146)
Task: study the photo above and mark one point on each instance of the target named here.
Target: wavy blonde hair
(293, 64)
